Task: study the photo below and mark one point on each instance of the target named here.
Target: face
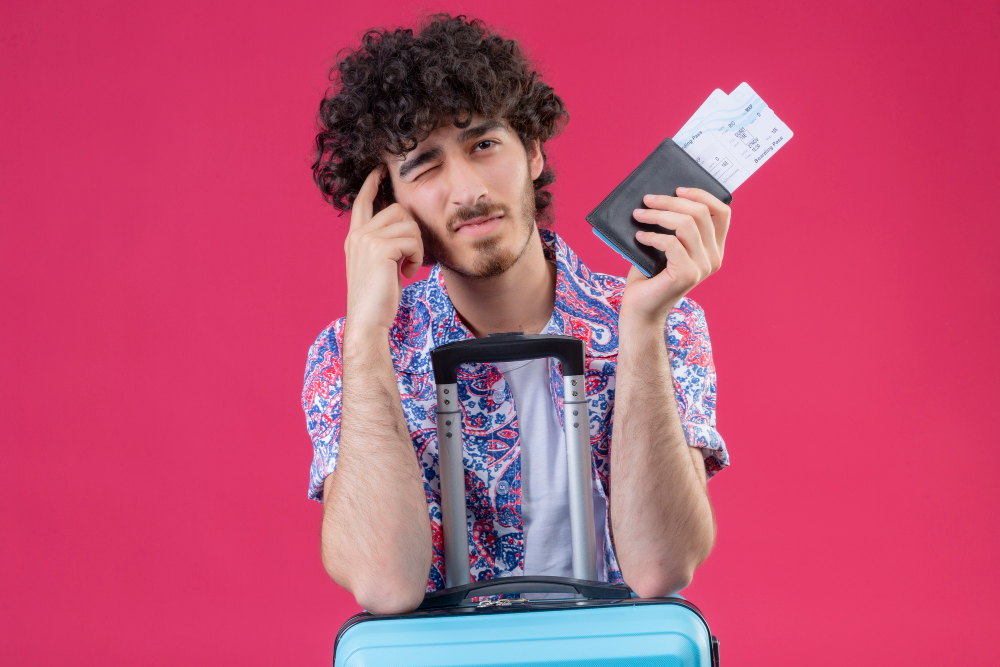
(470, 191)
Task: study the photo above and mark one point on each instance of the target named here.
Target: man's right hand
(376, 532)
(378, 248)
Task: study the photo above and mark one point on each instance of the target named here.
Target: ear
(536, 161)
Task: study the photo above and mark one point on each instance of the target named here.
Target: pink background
(165, 262)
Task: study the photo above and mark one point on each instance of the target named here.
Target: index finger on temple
(363, 202)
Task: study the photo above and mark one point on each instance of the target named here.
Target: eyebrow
(468, 134)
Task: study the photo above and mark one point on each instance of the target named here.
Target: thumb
(634, 274)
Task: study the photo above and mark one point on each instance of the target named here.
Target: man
(435, 143)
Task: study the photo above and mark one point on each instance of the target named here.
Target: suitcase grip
(594, 590)
(513, 347)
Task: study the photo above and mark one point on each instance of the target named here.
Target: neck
(520, 299)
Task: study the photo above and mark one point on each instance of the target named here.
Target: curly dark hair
(396, 88)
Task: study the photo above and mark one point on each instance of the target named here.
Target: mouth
(478, 226)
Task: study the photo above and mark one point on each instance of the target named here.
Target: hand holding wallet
(733, 134)
(666, 169)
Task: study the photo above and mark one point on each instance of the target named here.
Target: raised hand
(378, 247)
(700, 223)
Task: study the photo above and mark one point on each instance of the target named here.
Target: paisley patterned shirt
(586, 306)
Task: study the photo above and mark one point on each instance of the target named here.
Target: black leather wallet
(666, 169)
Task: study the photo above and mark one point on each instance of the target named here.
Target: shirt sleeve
(321, 401)
(694, 381)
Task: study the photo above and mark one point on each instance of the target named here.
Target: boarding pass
(732, 135)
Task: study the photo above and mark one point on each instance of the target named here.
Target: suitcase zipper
(503, 602)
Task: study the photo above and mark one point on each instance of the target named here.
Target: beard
(491, 257)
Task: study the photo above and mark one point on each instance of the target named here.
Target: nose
(467, 184)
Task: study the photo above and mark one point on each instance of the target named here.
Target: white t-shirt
(544, 478)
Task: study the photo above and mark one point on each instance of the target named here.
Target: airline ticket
(732, 135)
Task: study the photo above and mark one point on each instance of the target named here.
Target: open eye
(491, 142)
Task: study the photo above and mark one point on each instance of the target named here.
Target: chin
(492, 255)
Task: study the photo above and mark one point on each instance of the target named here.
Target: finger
(692, 233)
(374, 229)
(702, 215)
(361, 211)
(406, 251)
(391, 214)
(404, 229)
(410, 267)
(398, 229)
(684, 271)
(691, 238)
(705, 197)
(721, 213)
(694, 249)
(679, 204)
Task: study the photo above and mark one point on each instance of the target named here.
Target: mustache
(486, 209)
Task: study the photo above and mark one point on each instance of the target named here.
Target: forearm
(376, 530)
(660, 513)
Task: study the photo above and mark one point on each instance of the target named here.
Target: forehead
(449, 132)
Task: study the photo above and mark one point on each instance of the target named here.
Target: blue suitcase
(596, 623)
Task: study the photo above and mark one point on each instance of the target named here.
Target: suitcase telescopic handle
(593, 590)
(513, 347)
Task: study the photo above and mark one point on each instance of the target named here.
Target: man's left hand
(700, 222)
